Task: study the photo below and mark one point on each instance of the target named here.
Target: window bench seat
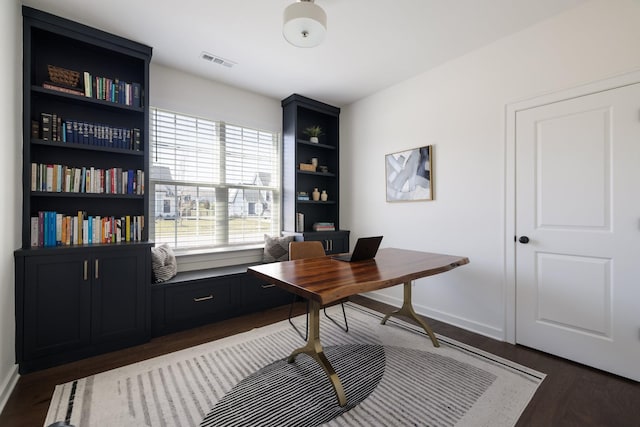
(195, 298)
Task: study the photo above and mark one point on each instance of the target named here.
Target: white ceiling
(370, 45)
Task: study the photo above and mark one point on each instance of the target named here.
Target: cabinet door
(334, 242)
(119, 288)
(57, 304)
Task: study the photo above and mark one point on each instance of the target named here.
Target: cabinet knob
(523, 239)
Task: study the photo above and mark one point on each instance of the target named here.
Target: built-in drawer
(259, 295)
(195, 303)
(197, 300)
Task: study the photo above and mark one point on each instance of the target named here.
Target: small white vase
(315, 195)
(324, 196)
(313, 139)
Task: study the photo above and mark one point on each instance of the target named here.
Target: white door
(578, 203)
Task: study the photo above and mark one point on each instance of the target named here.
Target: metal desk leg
(407, 310)
(313, 348)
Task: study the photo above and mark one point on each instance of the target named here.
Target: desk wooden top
(327, 280)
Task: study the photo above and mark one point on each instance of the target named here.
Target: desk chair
(310, 249)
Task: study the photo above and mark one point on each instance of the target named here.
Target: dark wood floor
(570, 395)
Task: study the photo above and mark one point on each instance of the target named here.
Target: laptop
(366, 248)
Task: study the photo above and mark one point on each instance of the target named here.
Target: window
(213, 184)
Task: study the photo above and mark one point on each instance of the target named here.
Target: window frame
(222, 243)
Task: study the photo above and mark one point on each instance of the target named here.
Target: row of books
(53, 128)
(50, 228)
(113, 90)
(103, 88)
(67, 179)
(323, 226)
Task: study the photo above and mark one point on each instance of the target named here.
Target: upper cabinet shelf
(316, 144)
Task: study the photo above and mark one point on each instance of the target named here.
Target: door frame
(510, 213)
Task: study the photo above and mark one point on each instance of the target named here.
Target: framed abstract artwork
(409, 175)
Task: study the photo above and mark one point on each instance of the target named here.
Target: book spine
(59, 218)
(127, 232)
(45, 126)
(35, 231)
(87, 84)
(35, 129)
(299, 222)
(49, 179)
(137, 95)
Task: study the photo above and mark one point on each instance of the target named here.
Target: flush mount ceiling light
(305, 24)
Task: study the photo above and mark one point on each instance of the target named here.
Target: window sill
(200, 259)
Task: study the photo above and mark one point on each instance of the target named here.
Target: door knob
(523, 239)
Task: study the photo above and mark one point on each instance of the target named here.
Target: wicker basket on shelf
(63, 76)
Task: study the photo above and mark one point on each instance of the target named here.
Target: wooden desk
(324, 280)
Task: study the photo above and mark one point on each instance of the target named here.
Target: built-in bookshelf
(312, 166)
(83, 271)
(85, 110)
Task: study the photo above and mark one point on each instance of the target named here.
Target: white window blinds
(213, 184)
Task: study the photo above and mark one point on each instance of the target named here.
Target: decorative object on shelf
(62, 76)
(314, 162)
(303, 195)
(307, 167)
(324, 226)
(323, 169)
(409, 175)
(305, 24)
(316, 195)
(313, 132)
(324, 196)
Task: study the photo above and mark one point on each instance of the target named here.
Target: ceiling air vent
(216, 59)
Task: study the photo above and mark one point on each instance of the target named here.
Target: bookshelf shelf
(327, 174)
(315, 202)
(78, 146)
(304, 142)
(75, 195)
(73, 299)
(37, 90)
(300, 113)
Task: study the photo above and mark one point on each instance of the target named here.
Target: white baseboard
(477, 327)
(7, 386)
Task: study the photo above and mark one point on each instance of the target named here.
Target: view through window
(213, 184)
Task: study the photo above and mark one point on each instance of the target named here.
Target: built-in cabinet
(80, 303)
(83, 271)
(300, 177)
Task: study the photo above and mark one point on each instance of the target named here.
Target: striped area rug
(392, 376)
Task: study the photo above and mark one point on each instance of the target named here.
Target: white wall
(11, 179)
(460, 109)
(177, 91)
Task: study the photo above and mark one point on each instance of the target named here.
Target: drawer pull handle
(208, 297)
(267, 286)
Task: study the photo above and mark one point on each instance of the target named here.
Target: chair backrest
(306, 249)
